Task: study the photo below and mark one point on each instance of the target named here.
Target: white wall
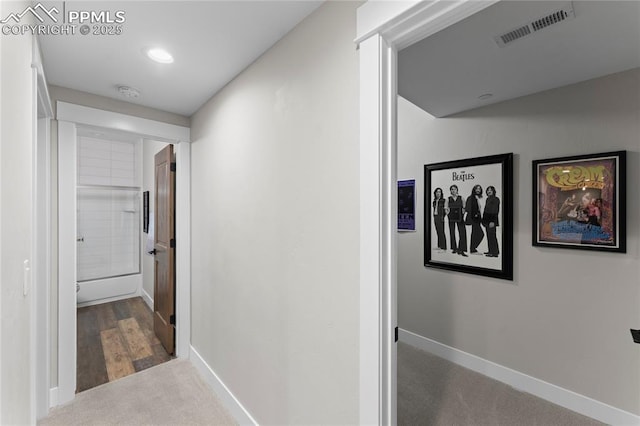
(565, 318)
(149, 150)
(16, 138)
(275, 227)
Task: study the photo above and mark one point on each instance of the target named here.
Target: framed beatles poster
(579, 202)
(469, 216)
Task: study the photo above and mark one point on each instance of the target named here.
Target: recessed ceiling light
(159, 55)
(485, 96)
(128, 91)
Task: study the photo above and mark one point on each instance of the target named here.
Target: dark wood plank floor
(114, 340)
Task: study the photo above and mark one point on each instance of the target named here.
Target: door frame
(69, 116)
(384, 28)
(41, 240)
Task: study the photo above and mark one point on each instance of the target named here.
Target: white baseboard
(53, 397)
(550, 392)
(228, 399)
(147, 299)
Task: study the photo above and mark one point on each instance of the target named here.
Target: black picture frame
(145, 212)
(579, 202)
(467, 217)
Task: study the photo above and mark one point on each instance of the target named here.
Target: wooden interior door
(164, 247)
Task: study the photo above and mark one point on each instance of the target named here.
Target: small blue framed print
(406, 205)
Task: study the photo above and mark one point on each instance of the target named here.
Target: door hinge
(172, 319)
(396, 334)
(172, 167)
(172, 243)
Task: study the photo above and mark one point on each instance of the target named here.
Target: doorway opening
(385, 30)
(115, 257)
(73, 122)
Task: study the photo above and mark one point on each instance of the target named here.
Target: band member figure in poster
(582, 212)
(473, 208)
(455, 210)
(568, 206)
(595, 212)
(490, 221)
(438, 218)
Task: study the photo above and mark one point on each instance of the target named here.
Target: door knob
(153, 252)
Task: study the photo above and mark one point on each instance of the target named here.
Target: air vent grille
(559, 15)
(515, 34)
(554, 18)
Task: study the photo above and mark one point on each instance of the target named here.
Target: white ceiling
(446, 73)
(211, 41)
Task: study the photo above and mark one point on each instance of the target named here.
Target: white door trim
(382, 29)
(42, 277)
(377, 233)
(66, 261)
(70, 115)
(144, 127)
(41, 257)
(183, 250)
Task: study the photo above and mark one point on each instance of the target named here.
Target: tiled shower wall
(108, 209)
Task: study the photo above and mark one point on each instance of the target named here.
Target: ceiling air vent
(555, 17)
(515, 34)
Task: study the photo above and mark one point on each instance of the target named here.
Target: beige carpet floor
(431, 391)
(435, 392)
(169, 394)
